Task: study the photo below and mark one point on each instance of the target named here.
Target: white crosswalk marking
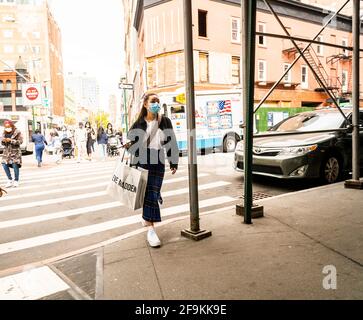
(53, 207)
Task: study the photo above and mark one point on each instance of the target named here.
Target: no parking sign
(31, 93)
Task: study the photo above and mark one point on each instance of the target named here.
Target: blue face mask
(154, 108)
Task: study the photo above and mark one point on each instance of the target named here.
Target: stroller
(67, 148)
(113, 146)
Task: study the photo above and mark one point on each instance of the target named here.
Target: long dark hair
(101, 131)
(143, 112)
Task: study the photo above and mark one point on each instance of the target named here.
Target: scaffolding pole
(248, 52)
(194, 233)
(355, 183)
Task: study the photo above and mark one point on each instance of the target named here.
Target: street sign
(46, 103)
(126, 86)
(31, 93)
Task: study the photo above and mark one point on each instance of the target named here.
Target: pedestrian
(119, 135)
(11, 158)
(80, 140)
(40, 143)
(151, 136)
(64, 133)
(91, 137)
(102, 140)
(56, 145)
(109, 131)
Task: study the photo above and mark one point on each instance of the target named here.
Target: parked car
(327, 156)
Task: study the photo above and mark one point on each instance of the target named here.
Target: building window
(304, 77)
(202, 23)
(287, 78)
(345, 81)
(262, 66)
(203, 67)
(8, 33)
(319, 47)
(36, 35)
(1, 85)
(345, 44)
(236, 30)
(8, 49)
(36, 49)
(8, 85)
(236, 70)
(262, 41)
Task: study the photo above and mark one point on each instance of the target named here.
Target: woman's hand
(127, 145)
(173, 171)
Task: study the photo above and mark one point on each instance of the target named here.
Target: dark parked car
(312, 155)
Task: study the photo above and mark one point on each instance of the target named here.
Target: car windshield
(310, 122)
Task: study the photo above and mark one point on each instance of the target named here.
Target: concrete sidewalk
(281, 256)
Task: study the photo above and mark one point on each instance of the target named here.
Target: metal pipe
(355, 90)
(331, 95)
(281, 36)
(190, 97)
(248, 52)
(298, 57)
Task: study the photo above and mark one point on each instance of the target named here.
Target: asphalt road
(62, 208)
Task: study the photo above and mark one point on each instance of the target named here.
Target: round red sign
(32, 93)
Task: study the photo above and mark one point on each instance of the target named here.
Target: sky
(92, 40)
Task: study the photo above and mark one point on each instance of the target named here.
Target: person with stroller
(40, 143)
(102, 140)
(11, 158)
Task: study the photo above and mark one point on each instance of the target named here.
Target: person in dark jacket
(12, 140)
(151, 136)
(40, 142)
(102, 139)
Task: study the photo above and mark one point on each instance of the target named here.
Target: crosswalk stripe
(18, 245)
(55, 191)
(58, 215)
(96, 208)
(51, 177)
(51, 201)
(74, 181)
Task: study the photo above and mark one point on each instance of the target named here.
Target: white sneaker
(9, 184)
(153, 239)
(16, 184)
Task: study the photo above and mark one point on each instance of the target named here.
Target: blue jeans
(8, 173)
(39, 148)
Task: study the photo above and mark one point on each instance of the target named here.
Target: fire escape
(332, 83)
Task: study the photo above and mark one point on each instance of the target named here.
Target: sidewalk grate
(259, 196)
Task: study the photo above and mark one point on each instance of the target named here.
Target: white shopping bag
(128, 185)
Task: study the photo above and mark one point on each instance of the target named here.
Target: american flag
(225, 107)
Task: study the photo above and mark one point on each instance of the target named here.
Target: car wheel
(229, 144)
(331, 170)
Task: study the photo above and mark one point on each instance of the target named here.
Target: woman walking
(91, 136)
(102, 139)
(40, 143)
(150, 136)
(109, 130)
(11, 140)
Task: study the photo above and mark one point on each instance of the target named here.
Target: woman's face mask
(154, 107)
(8, 130)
